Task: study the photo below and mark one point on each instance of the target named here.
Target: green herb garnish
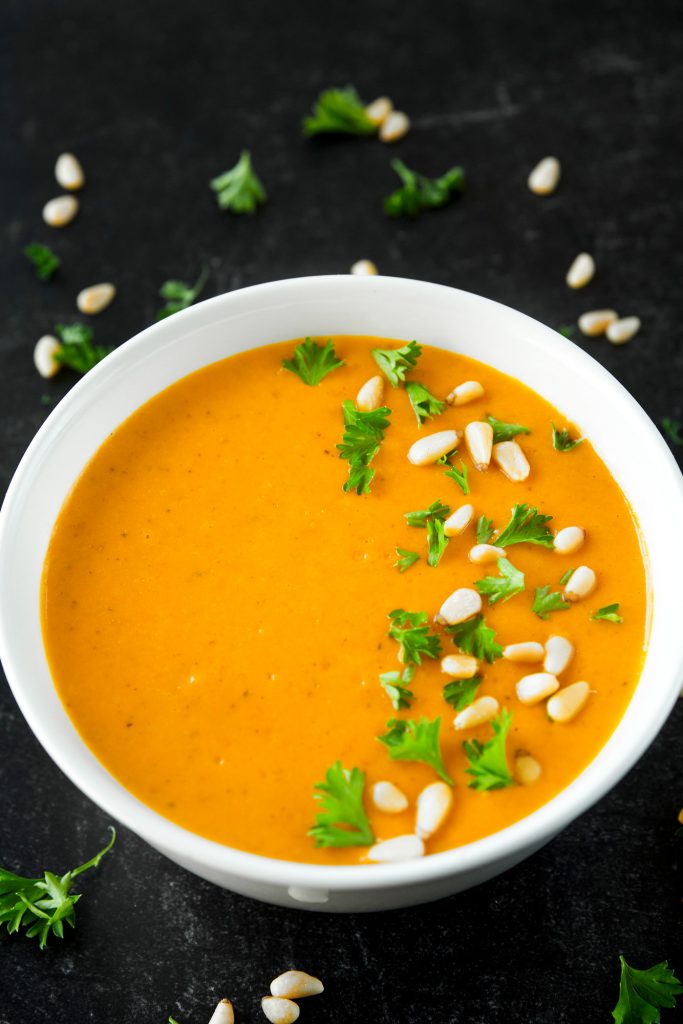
(527, 526)
(610, 613)
(396, 687)
(363, 434)
(410, 630)
(342, 820)
(563, 441)
(405, 559)
(460, 476)
(437, 510)
(488, 761)
(461, 692)
(339, 111)
(419, 193)
(566, 576)
(78, 351)
(484, 530)
(567, 331)
(674, 430)
(44, 261)
(642, 994)
(396, 362)
(180, 295)
(312, 361)
(425, 405)
(503, 587)
(239, 190)
(505, 431)
(437, 542)
(416, 741)
(546, 601)
(476, 638)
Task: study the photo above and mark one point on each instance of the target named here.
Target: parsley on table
(527, 526)
(408, 740)
(339, 111)
(643, 993)
(460, 476)
(239, 189)
(610, 613)
(42, 905)
(396, 686)
(312, 362)
(437, 510)
(425, 405)
(405, 559)
(437, 542)
(78, 351)
(410, 630)
(180, 295)
(505, 431)
(419, 193)
(563, 441)
(476, 638)
(396, 362)
(503, 587)
(567, 331)
(488, 761)
(674, 430)
(44, 261)
(546, 601)
(363, 434)
(484, 530)
(342, 820)
(461, 692)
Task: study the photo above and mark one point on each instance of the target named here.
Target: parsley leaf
(396, 687)
(437, 542)
(42, 905)
(405, 559)
(566, 576)
(396, 362)
(312, 361)
(342, 821)
(180, 295)
(363, 434)
(416, 741)
(567, 331)
(437, 510)
(476, 638)
(239, 189)
(673, 429)
(505, 431)
(527, 526)
(546, 602)
(484, 530)
(460, 476)
(44, 261)
(488, 761)
(503, 587)
(563, 441)
(425, 405)
(643, 993)
(78, 351)
(461, 692)
(421, 193)
(339, 111)
(411, 631)
(610, 613)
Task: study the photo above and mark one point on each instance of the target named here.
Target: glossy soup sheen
(215, 606)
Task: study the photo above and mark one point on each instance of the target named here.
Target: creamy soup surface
(215, 606)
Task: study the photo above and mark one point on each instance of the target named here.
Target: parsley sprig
(484, 530)
(425, 405)
(503, 587)
(459, 476)
(461, 692)
(527, 526)
(239, 189)
(476, 638)
(342, 820)
(311, 361)
(395, 363)
(643, 993)
(437, 510)
(410, 630)
(563, 441)
(488, 761)
(437, 542)
(546, 601)
(339, 111)
(409, 740)
(674, 429)
(78, 351)
(610, 613)
(505, 431)
(396, 686)
(419, 192)
(362, 437)
(44, 261)
(180, 295)
(405, 559)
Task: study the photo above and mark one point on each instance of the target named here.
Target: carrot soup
(345, 601)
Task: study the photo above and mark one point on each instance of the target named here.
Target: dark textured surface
(157, 98)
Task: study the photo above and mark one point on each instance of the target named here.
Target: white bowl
(618, 428)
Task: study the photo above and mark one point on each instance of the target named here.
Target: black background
(158, 98)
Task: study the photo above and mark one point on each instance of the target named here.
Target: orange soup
(216, 607)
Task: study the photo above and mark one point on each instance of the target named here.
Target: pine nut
(387, 798)
(545, 176)
(370, 395)
(569, 540)
(96, 298)
(568, 702)
(459, 666)
(364, 268)
(430, 448)
(479, 711)
(296, 985)
(378, 111)
(60, 211)
(580, 584)
(280, 1011)
(461, 605)
(394, 127)
(464, 393)
(528, 651)
(433, 805)
(406, 847)
(531, 689)
(44, 354)
(223, 1014)
(621, 331)
(482, 554)
(458, 521)
(479, 438)
(558, 653)
(510, 458)
(527, 768)
(581, 271)
(69, 173)
(596, 321)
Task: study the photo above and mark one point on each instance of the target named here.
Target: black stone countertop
(156, 99)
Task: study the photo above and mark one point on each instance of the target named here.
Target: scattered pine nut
(458, 521)
(69, 173)
(296, 985)
(596, 321)
(378, 111)
(464, 393)
(60, 211)
(527, 768)
(479, 711)
(510, 458)
(459, 666)
(528, 651)
(479, 438)
(364, 268)
(394, 127)
(545, 176)
(430, 448)
(461, 605)
(387, 798)
(223, 1014)
(568, 702)
(580, 584)
(433, 805)
(481, 554)
(536, 687)
(406, 847)
(581, 271)
(558, 653)
(569, 540)
(280, 1011)
(621, 331)
(44, 354)
(97, 297)
(370, 395)
(680, 816)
